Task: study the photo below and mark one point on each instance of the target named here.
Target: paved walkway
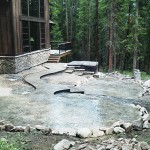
(103, 103)
(33, 78)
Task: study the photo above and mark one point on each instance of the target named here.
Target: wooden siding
(16, 12)
(11, 27)
(6, 42)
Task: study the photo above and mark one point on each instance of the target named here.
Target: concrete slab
(87, 65)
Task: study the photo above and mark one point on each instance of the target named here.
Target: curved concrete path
(34, 78)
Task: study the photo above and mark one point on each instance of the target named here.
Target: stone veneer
(15, 64)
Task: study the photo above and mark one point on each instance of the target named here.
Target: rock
(82, 146)
(39, 127)
(144, 146)
(102, 148)
(103, 129)
(90, 147)
(146, 117)
(97, 133)
(2, 122)
(2, 127)
(138, 107)
(134, 140)
(110, 130)
(110, 146)
(138, 125)
(147, 83)
(44, 130)
(64, 144)
(118, 124)
(126, 147)
(137, 74)
(119, 130)
(143, 111)
(66, 131)
(114, 148)
(146, 125)
(8, 127)
(137, 147)
(18, 129)
(27, 129)
(84, 133)
(69, 71)
(120, 139)
(127, 127)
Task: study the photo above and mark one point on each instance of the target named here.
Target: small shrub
(6, 146)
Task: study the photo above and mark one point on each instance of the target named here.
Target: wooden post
(16, 6)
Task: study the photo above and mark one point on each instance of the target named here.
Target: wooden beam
(35, 19)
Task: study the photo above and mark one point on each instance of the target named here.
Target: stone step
(53, 59)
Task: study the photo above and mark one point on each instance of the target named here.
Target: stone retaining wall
(15, 64)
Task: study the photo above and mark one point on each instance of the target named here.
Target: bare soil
(13, 85)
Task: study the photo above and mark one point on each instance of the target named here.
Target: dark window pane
(24, 6)
(42, 8)
(42, 30)
(34, 36)
(25, 37)
(34, 8)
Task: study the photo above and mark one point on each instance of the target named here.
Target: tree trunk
(96, 33)
(89, 31)
(67, 26)
(128, 31)
(111, 38)
(136, 37)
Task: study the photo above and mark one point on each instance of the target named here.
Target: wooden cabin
(24, 34)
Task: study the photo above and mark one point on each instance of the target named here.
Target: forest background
(116, 33)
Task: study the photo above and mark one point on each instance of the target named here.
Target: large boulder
(84, 133)
(144, 146)
(64, 145)
(138, 125)
(118, 124)
(97, 133)
(43, 129)
(119, 130)
(127, 126)
(110, 131)
(147, 84)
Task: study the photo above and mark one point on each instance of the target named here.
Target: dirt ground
(38, 141)
(11, 85)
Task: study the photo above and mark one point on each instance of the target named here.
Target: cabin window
(33, 8)
(33, 36)
(33, 25)
(42, 32)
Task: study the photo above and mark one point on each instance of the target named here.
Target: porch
(59, 50)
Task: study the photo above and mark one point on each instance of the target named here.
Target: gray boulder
(64, 145)
(119, 130)
(84, 133)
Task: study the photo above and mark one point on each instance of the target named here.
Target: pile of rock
(111, 144)
(146, 88)
(144, 120)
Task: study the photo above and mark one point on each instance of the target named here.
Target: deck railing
(61, 46)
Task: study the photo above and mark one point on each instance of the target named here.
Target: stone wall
(15, 64)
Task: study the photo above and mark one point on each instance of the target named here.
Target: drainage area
(68, 91)
(78, 110)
